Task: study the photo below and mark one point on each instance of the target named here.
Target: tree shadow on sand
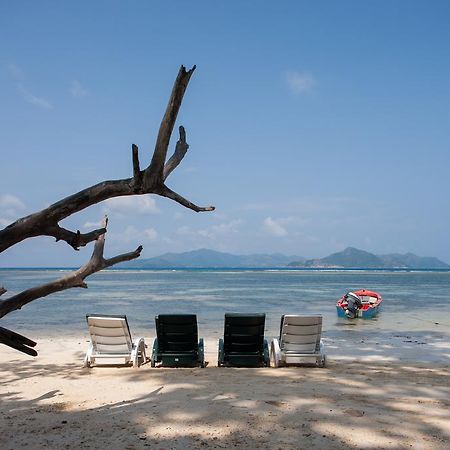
(346, 405)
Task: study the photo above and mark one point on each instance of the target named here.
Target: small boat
(367, 307)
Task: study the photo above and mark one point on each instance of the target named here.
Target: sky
(312, 126)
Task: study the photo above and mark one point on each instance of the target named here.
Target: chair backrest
(244, 333)
(300, 334)
(177, 333)
(110, 334)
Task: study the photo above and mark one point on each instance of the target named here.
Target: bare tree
(151, 180)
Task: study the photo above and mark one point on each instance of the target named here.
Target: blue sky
(312, 126)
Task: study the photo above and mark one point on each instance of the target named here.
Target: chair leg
(154, 356)
(88, 357)
(201, 353)
(266, 354)
(323, 357)
(138, 351)
(220, 357)
(275, 353)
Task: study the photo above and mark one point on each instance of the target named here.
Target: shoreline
(51, 401)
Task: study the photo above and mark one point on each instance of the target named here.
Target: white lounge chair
(299, 343)
(111, 342)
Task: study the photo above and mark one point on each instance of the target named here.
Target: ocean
(415, 315)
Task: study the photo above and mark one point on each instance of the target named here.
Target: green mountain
(354, 258)
(348, 258)
(211, 258)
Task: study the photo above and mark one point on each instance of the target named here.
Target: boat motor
(354, 303)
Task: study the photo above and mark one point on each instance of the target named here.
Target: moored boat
(361, 303)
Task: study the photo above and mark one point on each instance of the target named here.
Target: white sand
(52, 402)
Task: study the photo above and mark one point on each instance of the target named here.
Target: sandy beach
(52, 402)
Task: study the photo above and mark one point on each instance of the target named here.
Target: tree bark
(46, 222)
(149, 181)
(74, 279)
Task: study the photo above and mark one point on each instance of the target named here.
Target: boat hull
(362, 313)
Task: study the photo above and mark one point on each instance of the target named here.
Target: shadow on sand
(346, 405)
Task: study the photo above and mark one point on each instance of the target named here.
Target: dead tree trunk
(151, 180)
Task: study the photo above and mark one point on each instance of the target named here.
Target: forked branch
(74, 279)
(46, 222)
(148, 181)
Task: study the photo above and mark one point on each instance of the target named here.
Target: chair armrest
(138, 351)
(87, 358)
(221, 356)
(154, 356)
(275, 353)
(266, 354)
(201, 352)
(323, 356)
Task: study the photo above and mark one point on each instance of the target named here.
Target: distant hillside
(211, 258)
(413, 261)
(355, 258)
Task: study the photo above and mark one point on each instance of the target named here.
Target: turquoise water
(415, 312)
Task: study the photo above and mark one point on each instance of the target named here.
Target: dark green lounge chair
(177, 343)
(243, 343)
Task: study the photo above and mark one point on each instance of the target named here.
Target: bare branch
(73, 279)
(123, 257)
(166, 192)
(46, 222)
(137, 174)
(149, 181)
(180, 150)
(17, 341)
(75, 240)
(153, 175)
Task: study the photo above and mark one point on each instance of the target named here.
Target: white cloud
(33, 99)
(16, 72)
(18, 76)
(92, 225)
(10, 205)
(150, 234)
(273, 227)
(221, 229)
(5, 222)
(10, 208)
(77, 90)
(132, 205)
(300, 82)
(185, 231)
(10, 201)
(213, 232)
(130, 233)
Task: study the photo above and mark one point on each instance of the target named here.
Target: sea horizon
(227, 268)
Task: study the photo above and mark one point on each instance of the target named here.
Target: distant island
(347, 259)
(354, 258)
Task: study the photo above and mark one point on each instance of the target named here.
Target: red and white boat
(370, 304)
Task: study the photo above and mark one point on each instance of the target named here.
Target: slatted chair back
(177, 333)
(244, 334)
(300, 334)
(110, 334)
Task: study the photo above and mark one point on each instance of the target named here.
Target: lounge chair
(177, 343)
(243, 343)
(299, 343)
(111, 342)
